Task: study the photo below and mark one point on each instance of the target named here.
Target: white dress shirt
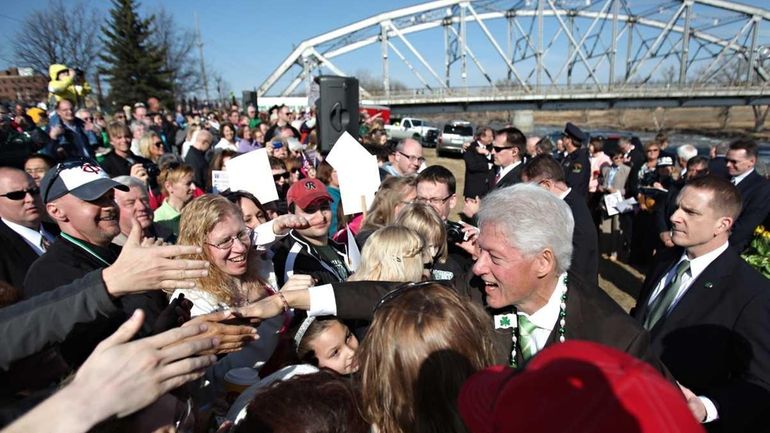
(505, 170)
(30, 236)
(737, 179)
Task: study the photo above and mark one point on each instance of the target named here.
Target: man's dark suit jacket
(637, 158)
(16, 256)
(511, 178)
(716, 340)
(477, 172)
(591, 315)
(585, 241)
(718, 167)
(755, 195)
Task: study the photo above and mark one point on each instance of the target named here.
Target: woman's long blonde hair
(391, 193)
(392, 253)
(198, 220)
(424, 220)
(421, 346)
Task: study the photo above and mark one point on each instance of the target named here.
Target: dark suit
(585, 241)
(16, 256)
(716, 340)
(115, 165)
(477, 172)
(511, 178)
(755, 195)
(591, 315)
(718, 167)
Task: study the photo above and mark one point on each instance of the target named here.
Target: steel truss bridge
(460, 55)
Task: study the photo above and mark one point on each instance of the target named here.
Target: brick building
(21, 84)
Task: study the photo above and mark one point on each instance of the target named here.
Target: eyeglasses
(433, 200)
(413, 158)
(395, 293)
(499, 149)
(158, 144)
(19, 195)
(279, 176)
(244, 237)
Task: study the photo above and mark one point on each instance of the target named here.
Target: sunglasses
(19, 195)
(500, 149)
(277, 177)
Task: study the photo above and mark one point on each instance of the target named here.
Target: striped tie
(666, 296)
(526, 339)
(44, 243)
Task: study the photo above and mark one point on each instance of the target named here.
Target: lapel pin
(709, 284)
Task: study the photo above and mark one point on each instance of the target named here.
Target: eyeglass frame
(412, 158)
(433, 200)
(249, 233)
(33, 191)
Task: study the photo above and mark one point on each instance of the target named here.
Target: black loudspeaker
(249, 98)
(336, 109)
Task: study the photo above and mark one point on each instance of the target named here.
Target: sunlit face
(228, 133)
(252, 215)
(319, 215)
(280, 152)
(409, 160)
(335, 348)
(232, 261)
(502, 153)
(695, 222)
(437, 195)
(120, 142)
(508, 275)
(25, 212)
(94, 221)
(487, 137)
(183, 189)
(697, 170)
(246, 133)
(65, 111)
(37, 168)
(739, 162)
(156, 149)
(133, 204)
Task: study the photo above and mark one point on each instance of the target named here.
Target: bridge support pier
(524, 120)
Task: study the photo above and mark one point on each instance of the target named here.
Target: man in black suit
(478, 164)
(577, 166)
(707, 313)
(754, 189)
(507, 152)
(718, 163)
(22, 235)
(525, 252)
(544, 171)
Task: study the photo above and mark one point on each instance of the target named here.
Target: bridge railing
(652, 90)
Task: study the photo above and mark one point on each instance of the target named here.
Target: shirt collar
(505, 170)
(30, 235)
(740, 177)
(546, 316)
(699, 264)
(563, 195)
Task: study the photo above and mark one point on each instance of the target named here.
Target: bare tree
(181, 59)
(64, 33)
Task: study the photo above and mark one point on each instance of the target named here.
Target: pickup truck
(413, 128)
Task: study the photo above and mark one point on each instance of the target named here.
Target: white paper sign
(611, 201)
(251, 172)
(346, 151)
(360, 178)
(219, 181)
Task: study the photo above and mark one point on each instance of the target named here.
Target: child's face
(336, 349)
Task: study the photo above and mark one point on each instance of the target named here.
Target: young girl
(326, 342)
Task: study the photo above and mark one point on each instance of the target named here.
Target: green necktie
(526, 339)
(666, 296)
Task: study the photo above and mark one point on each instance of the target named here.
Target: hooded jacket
(66, 87)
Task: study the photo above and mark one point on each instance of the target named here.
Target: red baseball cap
(575, 386)
(306, 191)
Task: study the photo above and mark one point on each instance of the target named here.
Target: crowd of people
(137, 296)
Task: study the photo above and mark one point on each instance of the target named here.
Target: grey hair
(130, 181)
(686, 151)
(532, 219)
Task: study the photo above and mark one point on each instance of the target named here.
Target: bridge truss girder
(663, 44)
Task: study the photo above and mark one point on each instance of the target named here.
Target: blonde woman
(392, 253)
(424, 220)
(151, 146)
(394, 193)
(216, 224)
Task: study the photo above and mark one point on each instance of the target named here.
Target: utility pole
(203, 62)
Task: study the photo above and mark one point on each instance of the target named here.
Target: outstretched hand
(129, 375)
(230, 337)
(141, 268)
